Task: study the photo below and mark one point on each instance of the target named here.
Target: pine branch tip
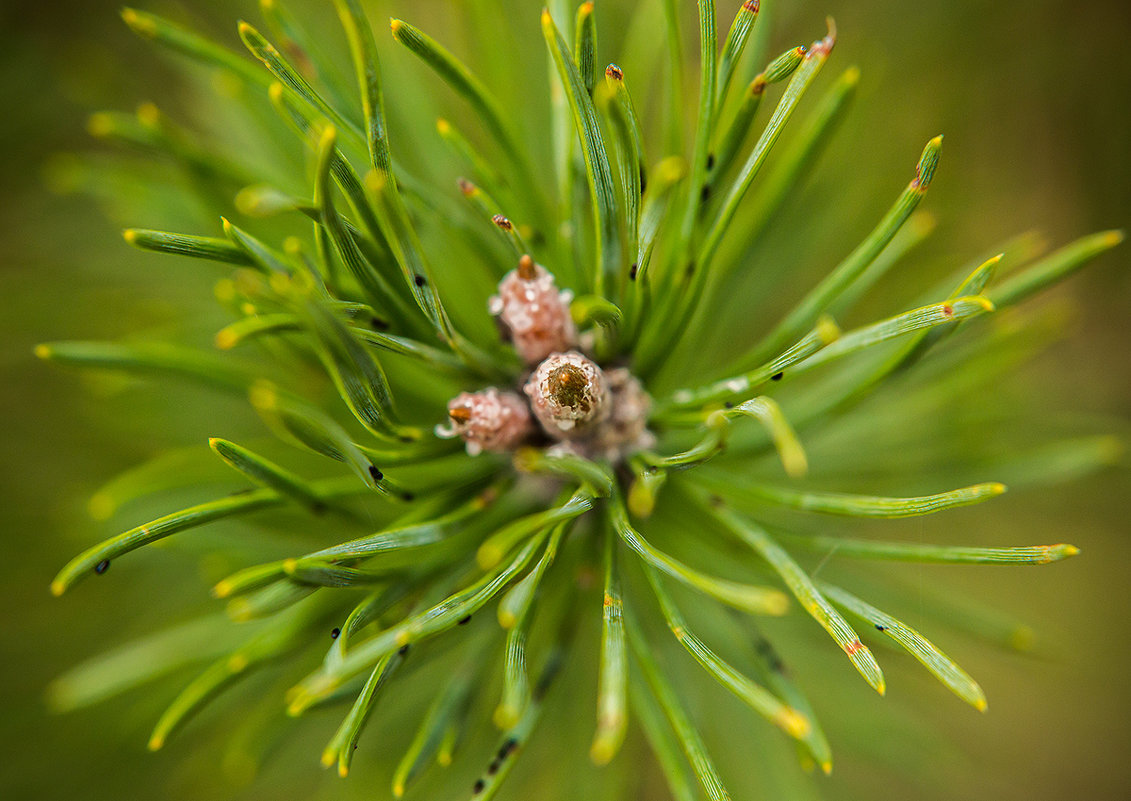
(928, 162)
(504, 717)
(225, 339)
(822, 47)
(148, 114)
(796, 466)
(488, 556)
(776, 604)
(100, 124)
(100, 506)
(139, 23)
(827, 329)
(603, 749)
(1023, 638)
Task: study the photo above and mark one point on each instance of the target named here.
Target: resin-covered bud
(569, 395)
(488, 421)
(533, 312)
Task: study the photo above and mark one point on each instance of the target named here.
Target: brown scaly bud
(488, 421)
(625, 431)
(534, 312)
(569, 395)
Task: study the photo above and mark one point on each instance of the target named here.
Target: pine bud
(534, 312)
(488, 421)
(625, 431)
(569, 395)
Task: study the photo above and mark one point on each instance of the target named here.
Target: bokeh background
(1032, 99)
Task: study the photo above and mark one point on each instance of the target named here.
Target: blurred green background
(1032, 99)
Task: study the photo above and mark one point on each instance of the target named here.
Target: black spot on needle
(403, 650)
(375, 472)
(632, 271)
(463, 621)
(881, 628)
(776, 376)
(334, 633)
(478, 787)
(102, 566)
(420, 280)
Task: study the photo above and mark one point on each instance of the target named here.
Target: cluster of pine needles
(350, 336)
